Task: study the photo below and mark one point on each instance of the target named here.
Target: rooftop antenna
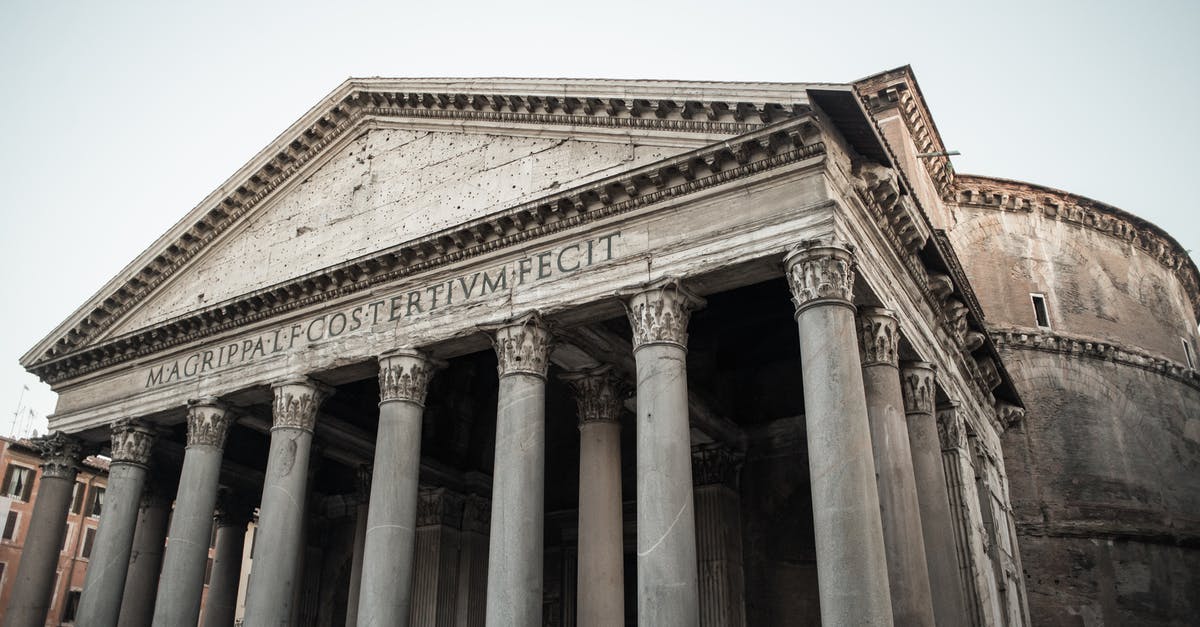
(12, 429)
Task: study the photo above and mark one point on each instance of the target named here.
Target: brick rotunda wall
(1103, 468)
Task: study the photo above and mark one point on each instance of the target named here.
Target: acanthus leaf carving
(296, 404)
(208, 423)
(522, 346)
(599, 394)
(61, 455)
(820, 272)
(659, 312)
(951, 430)
(132, 441)
(918, 384)
(878, 336)
(404, 375)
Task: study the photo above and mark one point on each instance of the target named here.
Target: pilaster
(719, 536)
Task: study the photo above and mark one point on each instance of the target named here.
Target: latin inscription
(394, 309)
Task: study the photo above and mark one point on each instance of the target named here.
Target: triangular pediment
(384, 161)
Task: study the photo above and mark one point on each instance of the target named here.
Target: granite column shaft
(100, 604)
(385, 588)
(851, 561)
(145, 559)
(908, 575)
(181, 582)
(280, 546)
(33, 588)
(514, 584)
(668, 594)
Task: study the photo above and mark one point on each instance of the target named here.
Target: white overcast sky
(117, 118)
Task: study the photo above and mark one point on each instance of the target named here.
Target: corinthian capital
(208, 422)
(951, 431)
(404, 375)
(919, 387)
(131, 442)
(297, 402)
(522, 346)
(60, 454)
(878, 336)
(659, 312)
(820, 273)
(598, 393)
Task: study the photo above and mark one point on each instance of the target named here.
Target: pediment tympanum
(385, 187)
(382, 160)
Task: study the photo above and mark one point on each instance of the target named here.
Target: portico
(531, 378)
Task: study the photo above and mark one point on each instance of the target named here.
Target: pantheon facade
(591, 353)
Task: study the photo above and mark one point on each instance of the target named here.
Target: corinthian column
(666, 525)
(908, 575)
(601, 581)
(280, 544)
(719, 537)
(851, 563)
(33, 588)
(363, 493)
(100, 605)
(182, 581)
(937, 524)
(387, 568)
(231, 518)
(514, 584)
(146, 556)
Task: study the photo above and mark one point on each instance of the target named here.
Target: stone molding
(878, 336)
(1017, 197)
(659, 312)
(895, 89)
(820, 273)
(1082, 346)
(132, 441)
(599, 394)
(404, 375)
(440, 506)
(61, 455)
(208, 423)
(918, 382)
(297, 403)
(715, 464)
(70, 356)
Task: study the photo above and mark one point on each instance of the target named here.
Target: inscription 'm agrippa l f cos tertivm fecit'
(403, 305)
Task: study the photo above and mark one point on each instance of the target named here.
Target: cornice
(675, 107)
(898, 89)
(1082, 346)
(768, 148)
(1053, 204)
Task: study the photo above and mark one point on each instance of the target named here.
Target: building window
(96, 505)
(18, 482)
(77, 497)
(1187, 353)
(1040, 313)
(71, 606)
(89, 538)
(10, 526)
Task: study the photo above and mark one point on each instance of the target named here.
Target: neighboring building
(20, 463)
(526, 351)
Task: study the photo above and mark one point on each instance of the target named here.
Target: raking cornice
(764, 149)
(652, 106)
